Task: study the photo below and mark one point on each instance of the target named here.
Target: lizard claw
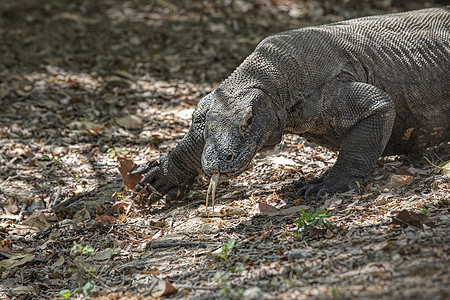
(158, 180)
(328, 185)
(145, 167)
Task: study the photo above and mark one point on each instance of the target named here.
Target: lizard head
(236, 127)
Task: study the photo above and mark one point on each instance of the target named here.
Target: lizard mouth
(232, 174)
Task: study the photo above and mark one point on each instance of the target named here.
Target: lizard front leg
(364, 120)
(172, 172)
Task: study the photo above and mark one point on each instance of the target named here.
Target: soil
(83, 82)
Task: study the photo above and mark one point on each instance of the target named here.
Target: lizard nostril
(230, 156)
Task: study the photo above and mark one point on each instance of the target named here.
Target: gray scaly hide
(367, 87)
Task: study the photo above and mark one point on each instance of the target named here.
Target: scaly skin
(366, 87)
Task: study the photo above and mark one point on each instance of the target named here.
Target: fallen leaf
(278, 160)
(101, 255)
(405, 218)
(85, 125)
(397, 181)
(158, 234)
(58, 263)
(445, 168)
(130, 122)
(160, 287)
(125, 166)
(80, 216)
(104, 220)
(331, 203)
(37, 220)
(15, 261)
(10, 206)
(20, 229)
(266, 235)
(220, 211)
(22, 289)
(266, 208)
(404, 171)
(281, 212)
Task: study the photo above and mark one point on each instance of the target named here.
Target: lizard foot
(331, 185)
(157, 181)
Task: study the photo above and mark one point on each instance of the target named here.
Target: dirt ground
(83, 81)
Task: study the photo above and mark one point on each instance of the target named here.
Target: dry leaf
(266, 235)
(130, 122)
(20, 229)
(278, 160)
(405, 218)
(331, 203)
(80, 216)
(397, 181)
(104, 220)
(220, 211)
(160, 287)
(37, 220)
(22, 289)
(125, 166)
(15, 261)
(404, 171)
(268, 210)
(101, 255)
(58, 263)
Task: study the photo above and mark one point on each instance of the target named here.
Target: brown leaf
(405, 218)
(397, 181)
(125, 166)
(266, 235)
(37, 219)
(130, 122)
(80, 216)
(15, 261)
(104, 220)
(266, 208)
(404, 171)
(160, 287)
(119, 208)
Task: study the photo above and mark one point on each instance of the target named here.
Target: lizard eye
(249, 121)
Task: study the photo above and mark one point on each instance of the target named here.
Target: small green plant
(65, 293)
(85, 270)
(227, 292)
(222, 278)
(317, 219)
(116, 151)
(424, 210)
(443, 168)
(226, 249)
(54, 159)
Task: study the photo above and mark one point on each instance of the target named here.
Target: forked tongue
(212, 188)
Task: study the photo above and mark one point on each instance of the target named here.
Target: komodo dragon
(366, 87)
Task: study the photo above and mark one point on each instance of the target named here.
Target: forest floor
(81, 82)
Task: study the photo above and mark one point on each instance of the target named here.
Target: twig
(22, 212)
(73, 199)
(167, 244)
(140, 226)
(8, 179)
(57, 195)
(149, 291)
(193, 287)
